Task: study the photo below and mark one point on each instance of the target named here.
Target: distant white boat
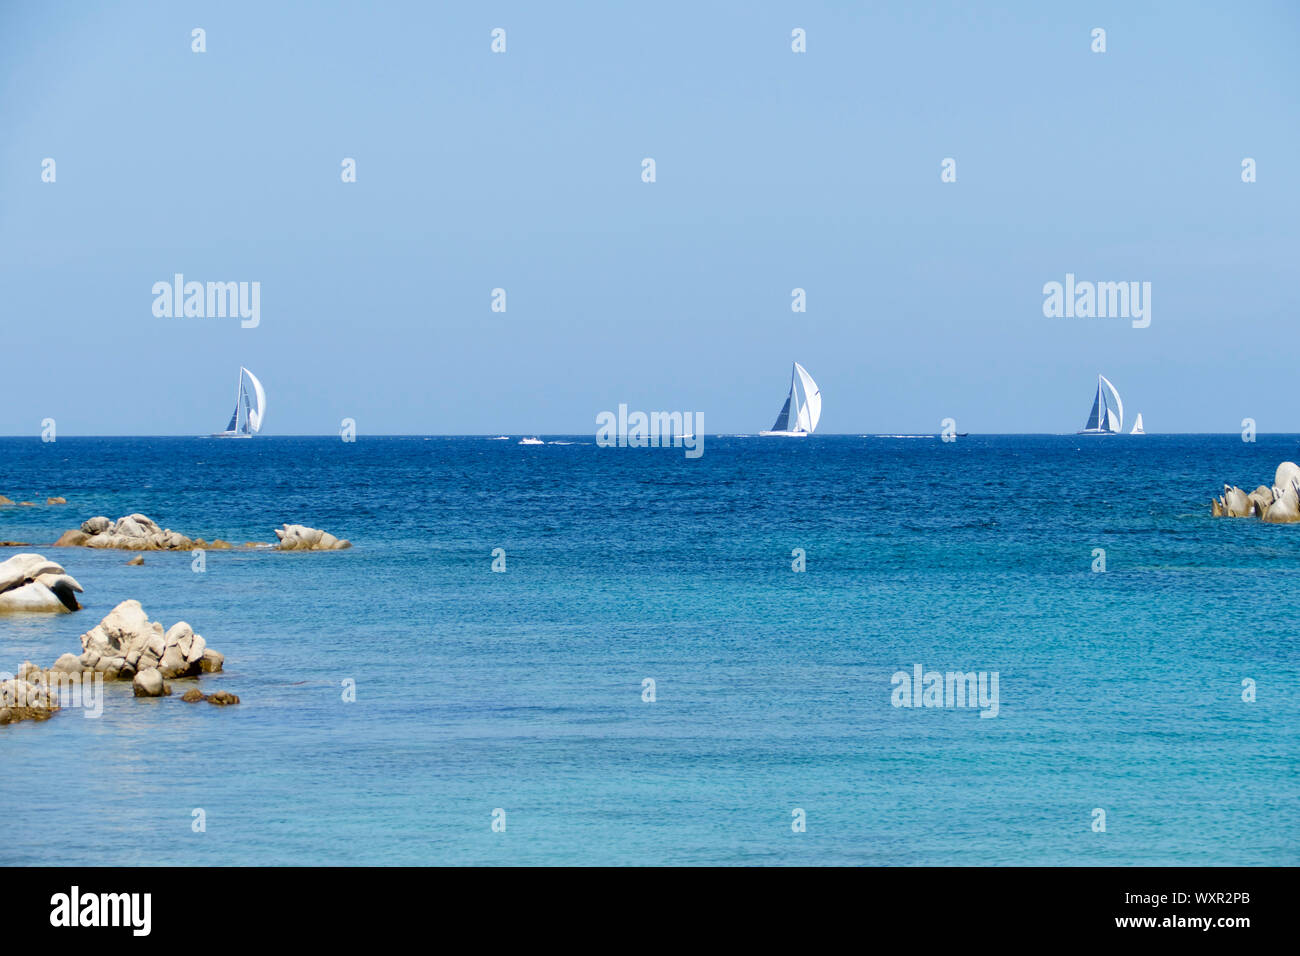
(531, 441)
(500, 438)
(1137, 426)
(802, 409)
(250, 408)
(1107, 416)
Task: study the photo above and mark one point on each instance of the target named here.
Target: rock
(96, 525)
(1286, 473)
(26, 504)
(1236, 504)
(56, 501)
(136, 561)
(22, 700)
(212, 661)
(28, 671)
(1260, 499)
(1278, 504)
(172, 663)
(133, 532)
(193, 696)
(219, 545)
(222, 698)
(126, 643)
(297, 537)
(150, 683)
(5, 501)
(68, 663)
(182, 635)
(28, 582)
(71, 539)
(1285, 508)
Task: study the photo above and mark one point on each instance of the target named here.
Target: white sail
(1137, 426)
(1114, 407)
(257, 410)
(810, 412)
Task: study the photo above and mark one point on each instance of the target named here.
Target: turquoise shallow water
(523, 690)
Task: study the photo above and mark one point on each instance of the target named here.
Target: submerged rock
(22, 700)
(56, 501)
(222, 698)
(297, 537)
(28, 582)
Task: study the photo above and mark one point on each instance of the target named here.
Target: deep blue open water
(523, 690)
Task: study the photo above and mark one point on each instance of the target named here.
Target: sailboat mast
(796, 406)
(239, 388)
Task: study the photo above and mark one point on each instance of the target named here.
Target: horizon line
(537, 434)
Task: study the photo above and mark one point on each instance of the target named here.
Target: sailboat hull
(230, 435)
(783, 434)
(1099, 432)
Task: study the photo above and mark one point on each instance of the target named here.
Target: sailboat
(1107, 416)
(1137, 426)
(802, 409)
(250, 408)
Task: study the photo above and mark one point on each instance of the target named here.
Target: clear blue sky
(522, 171)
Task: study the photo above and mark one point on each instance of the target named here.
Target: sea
(679, 660)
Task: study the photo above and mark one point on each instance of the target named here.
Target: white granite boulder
(126, 643)
(28, 582)
(297, 537)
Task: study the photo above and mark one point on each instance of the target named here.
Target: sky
(522, 170)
